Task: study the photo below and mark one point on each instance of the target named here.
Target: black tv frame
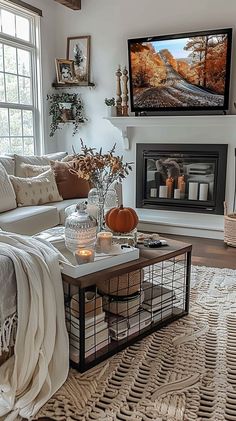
(184, 110)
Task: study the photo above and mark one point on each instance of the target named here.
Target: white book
(90, 330)
(120, 329)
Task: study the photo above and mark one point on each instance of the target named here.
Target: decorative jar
(80, 229)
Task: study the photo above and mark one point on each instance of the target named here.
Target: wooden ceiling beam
(72, 4)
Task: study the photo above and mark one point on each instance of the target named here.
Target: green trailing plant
(55, 111)
(110, 102)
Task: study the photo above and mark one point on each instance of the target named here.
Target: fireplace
(181, 177)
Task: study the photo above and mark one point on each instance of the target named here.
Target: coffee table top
(147, 257)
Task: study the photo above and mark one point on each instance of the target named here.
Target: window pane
(15, 123)
(27, 123)
(25, 90)
(1, 57)
(2, 90)
(10, 59)
(4, 145)
(11, 88)
(28, 145)
(22, 28)
(23, 62)
(17, 145)
(4, 128)
(8, 23)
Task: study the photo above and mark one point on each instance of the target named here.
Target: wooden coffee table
(111, 309)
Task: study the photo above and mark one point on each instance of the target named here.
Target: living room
(109, 25)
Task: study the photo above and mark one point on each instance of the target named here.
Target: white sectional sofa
(30, 220)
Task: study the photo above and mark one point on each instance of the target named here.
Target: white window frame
(34, 46)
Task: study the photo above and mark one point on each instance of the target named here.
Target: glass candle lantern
(80, 229)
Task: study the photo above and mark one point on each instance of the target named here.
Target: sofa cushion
(29, 220)
(9, 164)
(61, 207)
(35, 160)
(36, 190)
(34, 170)
(7, 194)
(70, 186)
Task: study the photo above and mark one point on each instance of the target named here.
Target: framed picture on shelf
(78, 50)
(65, 70)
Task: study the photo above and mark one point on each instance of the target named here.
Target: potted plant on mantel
(65, 108)
(111, 110)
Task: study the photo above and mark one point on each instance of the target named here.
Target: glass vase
(100, 200)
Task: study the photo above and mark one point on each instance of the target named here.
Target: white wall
(110, 23)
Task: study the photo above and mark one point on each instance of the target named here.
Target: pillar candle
(176, 193)
(153, 192)
(203, 191)
(104, 241)
(170, 185)
(193, 191)
(181, 186)
(163, 191)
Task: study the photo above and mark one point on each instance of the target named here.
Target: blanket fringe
(8, 333)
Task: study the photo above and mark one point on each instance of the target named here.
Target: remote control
(156, 243)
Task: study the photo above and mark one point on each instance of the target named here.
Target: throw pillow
(9, 164)
(36, 160)
(34, 170)
(36, 190)
(70, 186)
(7, 194)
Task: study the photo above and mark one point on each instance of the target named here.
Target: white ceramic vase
(111, 111)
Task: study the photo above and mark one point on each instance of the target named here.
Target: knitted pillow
(36, 190)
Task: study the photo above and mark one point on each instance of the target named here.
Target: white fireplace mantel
(124, 124)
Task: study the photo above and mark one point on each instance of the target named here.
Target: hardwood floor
(208, 252)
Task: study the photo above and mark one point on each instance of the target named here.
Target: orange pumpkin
(121, 219)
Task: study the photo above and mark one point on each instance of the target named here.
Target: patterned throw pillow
(34, 170)
(36, 190)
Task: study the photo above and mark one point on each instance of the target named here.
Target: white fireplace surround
(177, 129)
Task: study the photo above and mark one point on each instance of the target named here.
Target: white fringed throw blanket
(40, 362)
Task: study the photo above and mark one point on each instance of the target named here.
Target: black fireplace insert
(181, 177)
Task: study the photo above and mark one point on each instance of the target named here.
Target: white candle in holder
(176, 193)
(163, 192)
(203, 191)
(192, 191)
(104, 241)
(84, 256)
(153, 192)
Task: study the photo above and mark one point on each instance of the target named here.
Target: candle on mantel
(170, 185)
(84, 256)
(104, 241)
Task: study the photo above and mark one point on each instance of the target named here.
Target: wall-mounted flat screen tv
(181, 72)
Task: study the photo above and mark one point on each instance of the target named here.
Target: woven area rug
(185, 372)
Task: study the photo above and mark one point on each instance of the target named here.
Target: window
(19, 80)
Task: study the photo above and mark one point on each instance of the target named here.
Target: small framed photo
(65, 70)
(78, 50)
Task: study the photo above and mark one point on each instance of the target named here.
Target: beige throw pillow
(7, 194)
(35, 160)
(36, 190)
(34, 170)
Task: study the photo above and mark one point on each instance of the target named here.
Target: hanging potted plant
(65, 108)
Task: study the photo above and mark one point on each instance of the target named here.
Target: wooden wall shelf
(71, 85)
